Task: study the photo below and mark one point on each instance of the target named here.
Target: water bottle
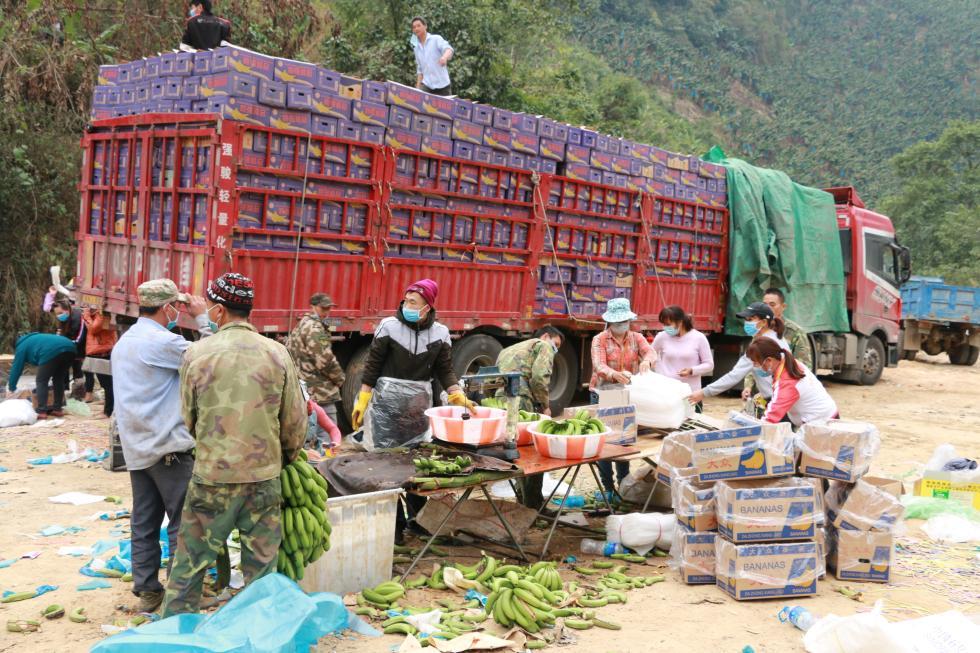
(571, 502)
(798, 616)
(598, 547)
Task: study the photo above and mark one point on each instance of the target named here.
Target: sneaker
(42, 414)
(150, 601)
(56, 413)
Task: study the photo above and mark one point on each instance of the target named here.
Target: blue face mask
(190, 13)
(411, 314)
(750, 328)
(172, 324)
(211, 323)
(62, 317)
(554, 347)
(761, 371)
(671, 330)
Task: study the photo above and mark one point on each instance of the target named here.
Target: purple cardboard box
(526, 123)
(327, 80)
(101, 96)
(497, 139)
(324, 125)
(422, 123)
(517, 160)
(166, 88)
(482, 154)
(399, 117)
(136, 70)
(231, 84)
(191, 89)
(289, 119)
(437, 145)
(442, 128)
(109, 75)
(272, 94)
(561, 132)
(483, 114)
(142, 92)
(463, 150)
(402, 139)
(373, 134)
(372, 91)
(502, 118)
(202, 62)
(574, 135)
(533, 162)
(612, 145)
(601, 160)
(299, 96)
(349, 130)
(438, 106)
(589, 138)
(467, 131)
(577, 154)
(462, 109)
(625, 147)
(689, 179)
(526, 143)
(235, 108)
(549, 166)
(499, 157)
(329, 104)
(621, 164)
(405, 97)
(641, 168)
(642, 151)
(578, 172)
(231, 58)
(546, 127)
(151, 67)
(370, 113)
(182, 106)
(602, 143)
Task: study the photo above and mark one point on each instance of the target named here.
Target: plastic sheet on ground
(17, 412)
(272, 615)
(77, 498)
(952, 528)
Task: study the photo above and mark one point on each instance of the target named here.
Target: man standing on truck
(204, 30)
(243, 405)
(432, 54)
(155, 441)
(793, 334)
(534, 359)
(309, 345)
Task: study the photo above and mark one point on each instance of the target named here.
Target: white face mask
(619, 328)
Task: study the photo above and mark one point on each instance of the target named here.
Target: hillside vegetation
(828, 90)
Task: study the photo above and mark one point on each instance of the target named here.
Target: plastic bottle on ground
(576, 501)
(798, 616)
(598, 547)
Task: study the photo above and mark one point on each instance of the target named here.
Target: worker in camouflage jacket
(309, 345)
(793, 334)
(243, 404)
(534, 359)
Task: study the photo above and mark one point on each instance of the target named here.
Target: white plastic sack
(661, 402)
(951, 528)
(641, 531)
(869, 632)
(17, 412)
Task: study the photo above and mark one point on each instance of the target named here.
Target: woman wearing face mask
(796, 392)
(683, 352)
(617, 354)
(72, 326)
(760, 322)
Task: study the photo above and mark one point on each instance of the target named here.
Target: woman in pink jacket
(796, 393)
(683, 352)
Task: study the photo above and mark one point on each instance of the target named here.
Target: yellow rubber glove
(459, 399)
(360, 407)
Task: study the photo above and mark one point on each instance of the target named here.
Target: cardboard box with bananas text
(838, 449)
(765, 571)
(675, 454)
(761, 451)
(693, 502)
(693, 556)
(766, 510)
(861, 555)
(868, 505)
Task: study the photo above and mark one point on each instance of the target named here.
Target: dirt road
(917, 406)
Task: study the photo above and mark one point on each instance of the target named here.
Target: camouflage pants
(210, 513)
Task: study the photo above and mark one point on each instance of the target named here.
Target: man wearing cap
(793, 333)
(309, 345)
(155, 442)
(242, 402)
(617, 354)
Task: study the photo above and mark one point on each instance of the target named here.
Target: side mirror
(904, 264)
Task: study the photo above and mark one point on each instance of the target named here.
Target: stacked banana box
(756, 530)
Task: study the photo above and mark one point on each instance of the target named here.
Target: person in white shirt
(432, 55)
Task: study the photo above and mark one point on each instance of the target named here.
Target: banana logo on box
(803, 572)
(753, 458)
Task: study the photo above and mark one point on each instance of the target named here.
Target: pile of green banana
(581, 424)
(436, 465)
(305, 527)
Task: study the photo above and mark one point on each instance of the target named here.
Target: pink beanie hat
(428, 288)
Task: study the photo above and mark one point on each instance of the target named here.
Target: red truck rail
(189, 196)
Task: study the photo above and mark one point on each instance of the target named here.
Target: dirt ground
(917, 406)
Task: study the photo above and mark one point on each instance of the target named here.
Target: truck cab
(875, 266)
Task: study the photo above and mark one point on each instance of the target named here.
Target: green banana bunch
(305, 527)
(525, 416)
(436, 465)
(382, 595)
(581, 424)
(494, 402)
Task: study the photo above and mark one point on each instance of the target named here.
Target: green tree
(937, 213)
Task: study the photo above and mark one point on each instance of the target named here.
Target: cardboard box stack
(593, 235)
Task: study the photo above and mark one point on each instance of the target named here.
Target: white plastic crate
(361, 544)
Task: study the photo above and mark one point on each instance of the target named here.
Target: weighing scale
(484, 383)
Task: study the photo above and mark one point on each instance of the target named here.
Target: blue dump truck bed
(928, 298)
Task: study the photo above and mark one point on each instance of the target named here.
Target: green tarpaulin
(782, 235)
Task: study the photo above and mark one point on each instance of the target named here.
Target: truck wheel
(473, 352)
(564, 377)
(963, 355)
(353, 372)
(874, 361)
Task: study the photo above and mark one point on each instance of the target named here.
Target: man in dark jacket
(204, 30)
(53, 356)
(412, 346)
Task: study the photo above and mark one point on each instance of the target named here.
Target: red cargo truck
(191, 196)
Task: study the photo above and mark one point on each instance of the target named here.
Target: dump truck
(938, 317)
